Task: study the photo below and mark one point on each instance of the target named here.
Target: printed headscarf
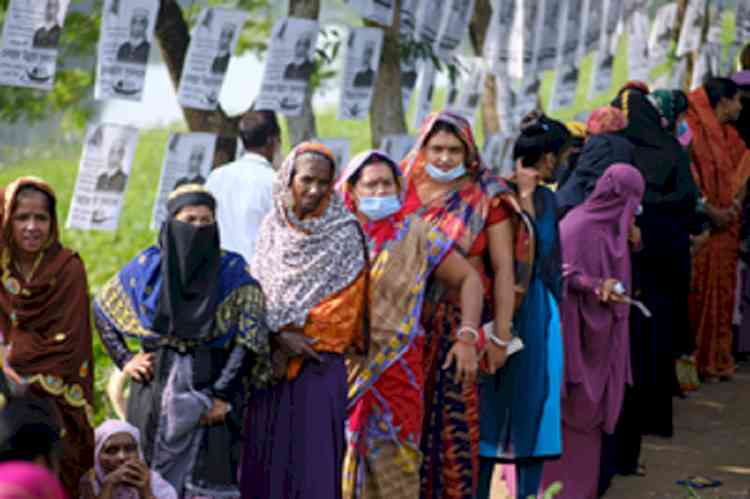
(301, 262)
(606, 119)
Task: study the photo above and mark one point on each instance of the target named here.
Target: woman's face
(548, 165)
(376, 180)
(117, 450)
(31, 222)
(311, 182)
(445, 150)
(196, 214)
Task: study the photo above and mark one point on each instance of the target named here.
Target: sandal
(699, 482)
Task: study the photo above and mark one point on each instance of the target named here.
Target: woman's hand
(496, 357)
(216, 413)
(296, 344)
(464, 355)
(140, 367)
(133, 473)
(607, 292)
(527, 180)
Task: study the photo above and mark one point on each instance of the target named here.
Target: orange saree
(722, 164)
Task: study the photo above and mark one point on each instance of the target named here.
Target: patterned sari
(450, 437)
(386, 388)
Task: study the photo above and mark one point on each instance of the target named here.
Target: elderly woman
(387, 388)
(198, 316)
(596, 256)
(44, 318)
(119, 470)
(311, 262)
(450, 187)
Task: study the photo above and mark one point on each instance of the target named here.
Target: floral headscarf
(301, 262)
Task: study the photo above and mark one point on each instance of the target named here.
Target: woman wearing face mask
(387, 387)
(520, 406)
(119, 470)
(450, 187)
(45, 332)
(199, 318)
(596, 256)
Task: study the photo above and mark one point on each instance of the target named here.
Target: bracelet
(497, 341)
(470, 330)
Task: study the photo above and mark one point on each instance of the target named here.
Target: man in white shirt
(243, 188)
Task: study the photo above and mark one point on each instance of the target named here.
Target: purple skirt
(295, 435)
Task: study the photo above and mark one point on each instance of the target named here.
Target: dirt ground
(712, 438)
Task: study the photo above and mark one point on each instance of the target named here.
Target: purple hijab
(594, 239)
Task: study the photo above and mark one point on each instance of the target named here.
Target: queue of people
(398, 329)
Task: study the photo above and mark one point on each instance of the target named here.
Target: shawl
(658, 155)
(160, 488)
(606, 119)
(46, 319)
(190, 257)
(596, 344)
(720, 156)
(24, 480)
(670, 103)
(301, 262)
(379, 231)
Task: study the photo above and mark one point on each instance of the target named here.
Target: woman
(596, 256)
(520, 404)
(45, 318)
(24, 480)
(449, 186)
(198, 316)
(387, 388)
(119, 470)
(311, 262)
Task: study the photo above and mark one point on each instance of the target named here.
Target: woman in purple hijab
(595, 239)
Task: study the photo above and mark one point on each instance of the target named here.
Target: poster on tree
(359, 73)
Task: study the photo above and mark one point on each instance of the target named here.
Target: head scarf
(46, 318)
(635, 85)
(594, 239)
(298, 262)
(670, 103)
(742, 78)
(577, 129)
(191, 259)
(578, 134)
(24, 480)
(160, 488)
(378, 231)
(606, 119)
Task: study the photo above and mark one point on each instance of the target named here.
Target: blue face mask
(443, 176)
(378, 208)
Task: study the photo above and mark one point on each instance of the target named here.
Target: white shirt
(244, 194)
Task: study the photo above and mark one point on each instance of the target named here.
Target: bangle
(470, 330)
(497, 341)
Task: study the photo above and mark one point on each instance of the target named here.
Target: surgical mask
(443, 176)
(380, 207)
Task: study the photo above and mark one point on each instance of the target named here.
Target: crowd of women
(404, 326)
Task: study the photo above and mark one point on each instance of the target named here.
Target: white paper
(591, 26)
(660, 38)
(188, 158)
(548, 39)
(409, 75)
(505, 101)
(125, 40)
(408, 20)
(289, 63)
(360, 72)
(465, 95)
(742, 22)
(454, 25)
(716, 11)
(706, 65)
(497, 41)
(679, 71)
(567, 62)
(528, 97)
(692, 27)
(604, 59)
(380, 11)
(524, 46)
(31, 35)
(430, 15)
(340, 147)
(639, 27)
(212, 42)
(498, 153)
(425, 94)
(565, 86)
(397, 146)
(102, 177)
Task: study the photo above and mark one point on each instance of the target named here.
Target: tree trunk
(173, 35)
(478, 28)
(387, 110)
(303, 127)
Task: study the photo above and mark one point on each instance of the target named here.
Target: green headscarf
(670, 103)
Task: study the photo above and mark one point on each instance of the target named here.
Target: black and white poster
(639, 29)
(591, 26)
(497, 41)
(425, 93)
(604, 58)
(125, 40)
(289, 64)
(660, 38)
(524, 40)
(454, 26)
(408, 20)
(380, 11)
(397, 146)
(108, 151)
(212, 42)
(340, 147)
(430, 15)
(31, 35)
(742, 22)
(567, 64)
(360, 72)
(188, 159)
(692, 27)
(548, 39)
(498, 153)
(465, 94)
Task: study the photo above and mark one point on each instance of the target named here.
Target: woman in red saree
(722, 165)
(46, 332)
